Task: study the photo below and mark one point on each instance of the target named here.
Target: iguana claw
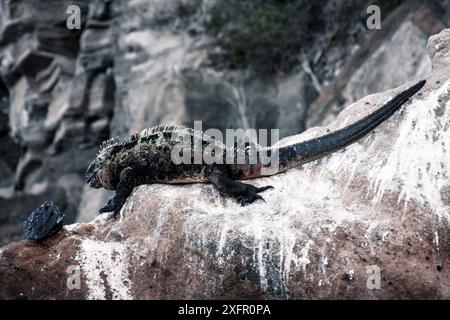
(114, 205)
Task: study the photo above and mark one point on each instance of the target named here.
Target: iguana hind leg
(124, 188)
(243, 193)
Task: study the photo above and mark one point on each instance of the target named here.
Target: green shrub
(257, 37)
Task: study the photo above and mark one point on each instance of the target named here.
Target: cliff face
(371, 221)
(57, 92)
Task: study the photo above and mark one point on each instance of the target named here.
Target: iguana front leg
(243, 193)
(127, 181)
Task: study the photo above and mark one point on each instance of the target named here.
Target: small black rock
(21, 296)
(43, 222)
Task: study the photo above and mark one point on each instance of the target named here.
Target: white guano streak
(105, 264)
(417, 161)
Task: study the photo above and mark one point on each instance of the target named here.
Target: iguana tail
(298, 154)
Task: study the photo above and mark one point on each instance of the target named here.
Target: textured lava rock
(43, 222)
(15, 209)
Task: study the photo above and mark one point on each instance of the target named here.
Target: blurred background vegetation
(270, 36)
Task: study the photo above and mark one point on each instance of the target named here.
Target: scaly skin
(146, 158)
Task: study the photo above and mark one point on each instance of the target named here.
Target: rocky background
(135, 64)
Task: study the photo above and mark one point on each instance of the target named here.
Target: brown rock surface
(381, 202)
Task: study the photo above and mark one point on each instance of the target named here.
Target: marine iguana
(145, 158)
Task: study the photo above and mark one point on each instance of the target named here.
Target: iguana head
(92, 174)
(102, 172)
